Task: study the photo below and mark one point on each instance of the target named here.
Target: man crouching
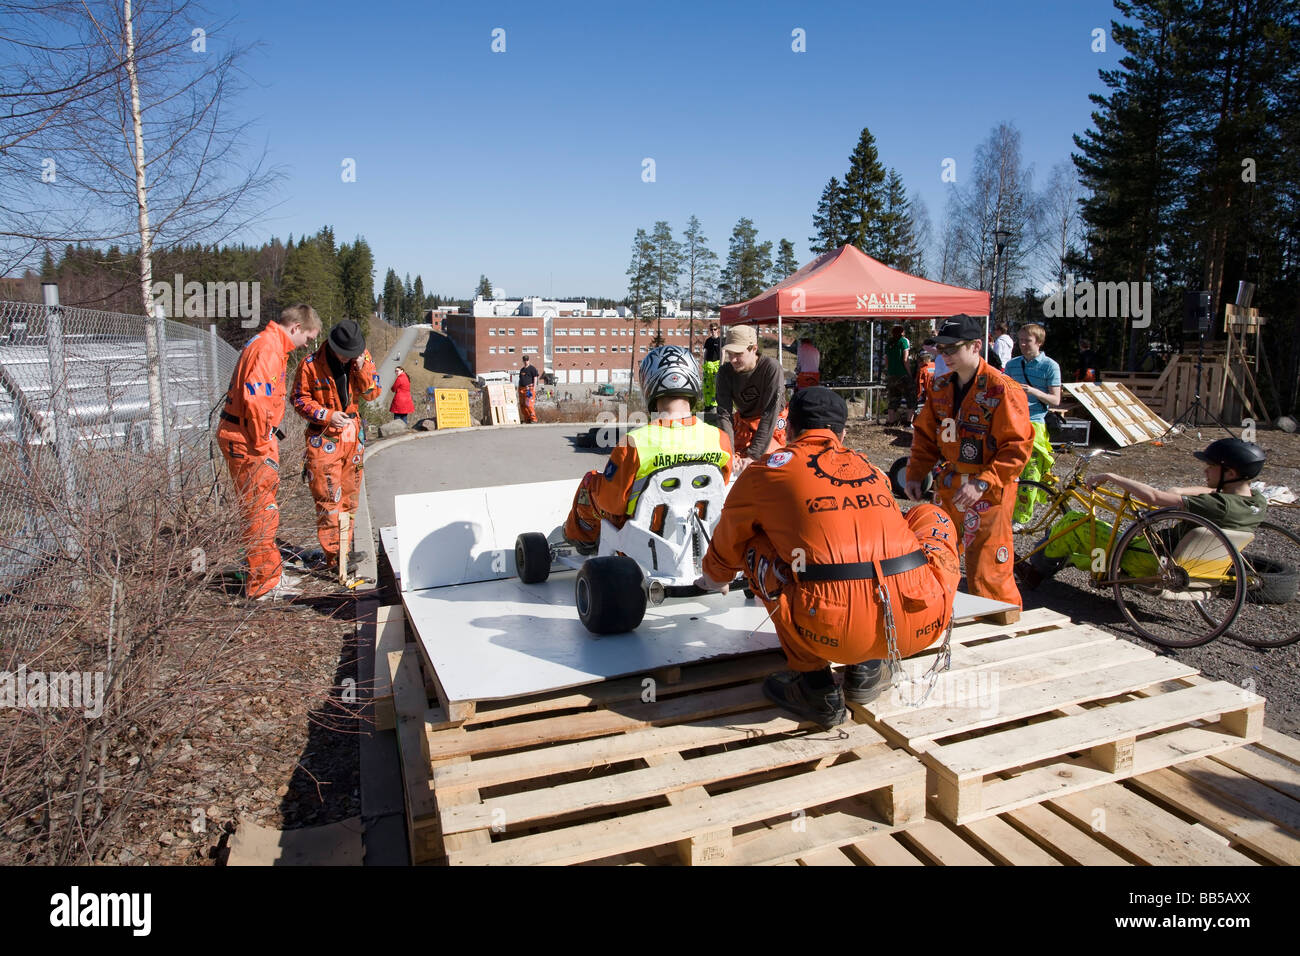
(817, 531)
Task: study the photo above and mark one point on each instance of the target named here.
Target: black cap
(960, 328)
(817, 407)
(346, 339)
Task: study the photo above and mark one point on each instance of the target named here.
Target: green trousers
(710, 384)
(1080, 537)
(1040, 463)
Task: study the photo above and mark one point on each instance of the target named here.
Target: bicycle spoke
(1175, 580)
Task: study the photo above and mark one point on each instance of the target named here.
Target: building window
(529, 332)
(492, 331)
(602, 350)
(604, 331)
(643, 349)
(511, 331)
(492, 350)
(561, 331)
(512, 350)
(589, 348)
(561, 349)
(588, 331)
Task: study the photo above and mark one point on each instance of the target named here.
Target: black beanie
(818, 407)
(346, 339)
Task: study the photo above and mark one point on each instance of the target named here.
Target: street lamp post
(1000, 239)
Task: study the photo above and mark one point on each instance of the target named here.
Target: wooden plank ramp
(1042, 709)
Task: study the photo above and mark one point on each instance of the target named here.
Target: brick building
(577, 344)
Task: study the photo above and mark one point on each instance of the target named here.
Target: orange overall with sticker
(253, 411)
(333, 456)
(989, 439)
(817, 502)
(610, 494)
(746, 428)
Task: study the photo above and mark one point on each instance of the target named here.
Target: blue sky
(527, 165)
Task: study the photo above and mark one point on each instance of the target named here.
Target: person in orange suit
(528, 375)
(976, 419)
(248, 439)
(816, 530)
(671, 383)
(326, 392)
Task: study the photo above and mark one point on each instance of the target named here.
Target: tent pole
(871, 350)
(986, 338)
(780, 347)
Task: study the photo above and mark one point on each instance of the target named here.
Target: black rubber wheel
(1172, 606)
(898, 478)
(609, 595)
(532, 557)
(1036, 525)
(1268, 616)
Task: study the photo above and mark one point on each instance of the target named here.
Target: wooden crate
(1046, 708)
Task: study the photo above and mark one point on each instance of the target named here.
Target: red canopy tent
(846, 283)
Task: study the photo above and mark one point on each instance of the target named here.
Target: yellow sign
(453, 407)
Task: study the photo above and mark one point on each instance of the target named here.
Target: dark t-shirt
(751, 394)
(713, 349)
(527, 375)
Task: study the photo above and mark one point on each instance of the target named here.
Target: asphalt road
(388, 364)
(475, 458)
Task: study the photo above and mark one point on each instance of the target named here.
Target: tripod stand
(1191, 415)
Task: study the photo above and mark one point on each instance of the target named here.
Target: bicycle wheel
(1037, 524)
(1177, 579)
(1268, 615)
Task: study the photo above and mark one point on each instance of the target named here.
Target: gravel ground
(1274, 673)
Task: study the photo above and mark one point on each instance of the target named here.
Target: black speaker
(1196, 312)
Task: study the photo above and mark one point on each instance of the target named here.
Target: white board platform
(500, 639)
(388, 541)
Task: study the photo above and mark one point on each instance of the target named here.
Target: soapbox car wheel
(532, 557)
(898, 479)
(609, 595)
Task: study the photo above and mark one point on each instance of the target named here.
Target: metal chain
(942, 661)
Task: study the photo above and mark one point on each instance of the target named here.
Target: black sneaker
(862, 681)
(823, 706)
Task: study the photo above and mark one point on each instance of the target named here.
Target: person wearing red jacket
(248, 440)
(401, 388)
(326, 392)
(976, 420)
(817, 532)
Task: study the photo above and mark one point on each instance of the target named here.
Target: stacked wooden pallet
(1045, 707)
(1088, 751)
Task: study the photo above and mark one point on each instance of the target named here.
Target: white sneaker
(287, 588)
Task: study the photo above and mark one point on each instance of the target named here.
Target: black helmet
(1245, 458)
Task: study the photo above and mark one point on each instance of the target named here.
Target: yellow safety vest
(665, 445)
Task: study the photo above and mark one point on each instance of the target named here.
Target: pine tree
(484, 288)
(701, 266)
(392, 298)
(640, 274)
(667, 267)
(864, 196)
(898, 232)
(749, 263)
(419, 299)
(357, 268)
(786, 265)
(830, 220)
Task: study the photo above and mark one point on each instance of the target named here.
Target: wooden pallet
(1046, 708)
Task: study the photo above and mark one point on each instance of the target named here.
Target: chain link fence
(84, 396)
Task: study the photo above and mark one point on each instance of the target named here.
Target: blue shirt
(1042, 373)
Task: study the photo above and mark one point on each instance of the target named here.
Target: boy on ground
(1226, 499)
(817, 532)
(670, 381)
(248, 439)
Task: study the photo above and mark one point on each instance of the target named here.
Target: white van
(488, 377)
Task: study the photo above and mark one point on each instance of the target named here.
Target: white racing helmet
(670, 371)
